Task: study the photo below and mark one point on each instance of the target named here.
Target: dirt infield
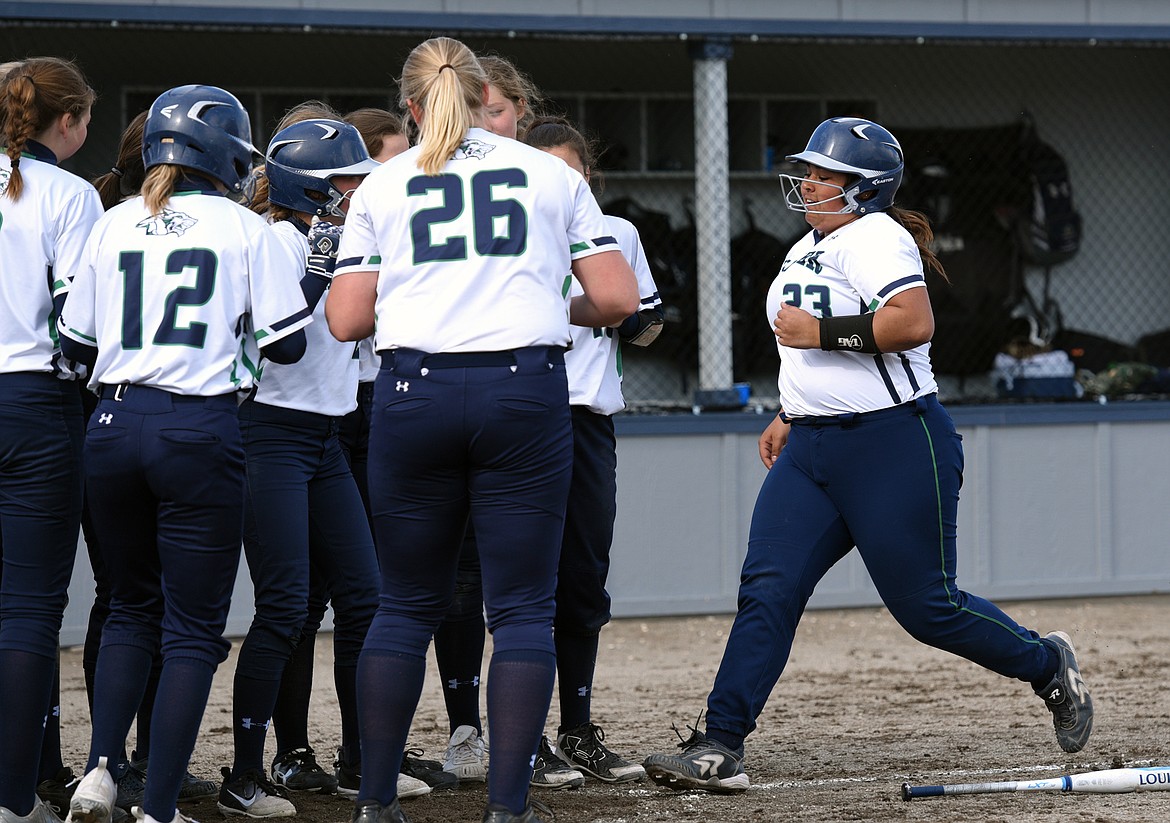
(861, 709)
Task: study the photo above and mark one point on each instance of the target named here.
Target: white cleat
(93, 800)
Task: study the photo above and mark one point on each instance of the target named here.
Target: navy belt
(918, 406)
(153, 399)
(472, 359)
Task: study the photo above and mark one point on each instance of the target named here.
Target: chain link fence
(1041, 178)
(1048, 305)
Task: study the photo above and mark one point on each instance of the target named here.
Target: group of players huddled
(384, 360)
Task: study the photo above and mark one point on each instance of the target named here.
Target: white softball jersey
(324, 380)
(852, 271)
(368, 360)
(42, 247)
(491, 237)
(594, 363)
(181, 300)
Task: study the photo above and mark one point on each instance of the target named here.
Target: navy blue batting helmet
(857, 147)
(203, 128)
(302, 159)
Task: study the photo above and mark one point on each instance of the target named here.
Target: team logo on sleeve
(167, 222)
(470, 148)
(4, 175)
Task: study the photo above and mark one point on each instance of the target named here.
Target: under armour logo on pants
(402, 385)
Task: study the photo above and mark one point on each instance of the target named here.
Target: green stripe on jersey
(83, 336)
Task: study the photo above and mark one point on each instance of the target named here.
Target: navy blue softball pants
(485, 435)
(888, 483)
(493, 442)
(582, 601)
(165, 487)
(302, 504)
(40, 515)
(165, 482)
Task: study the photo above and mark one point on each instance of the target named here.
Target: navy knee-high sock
(183, 688)
(388, 688)
(345, 681)
(119, 682)
(519, 689)
(26, 681)
(576, 661)
(146, 711)
(459, 648)
(51, 764)
(290, 716)
(252, 704)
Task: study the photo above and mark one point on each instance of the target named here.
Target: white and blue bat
(1106, 781)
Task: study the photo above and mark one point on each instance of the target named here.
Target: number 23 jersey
(181, 300)
(854, 270)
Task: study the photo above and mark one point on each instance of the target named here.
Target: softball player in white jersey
(863, 455)
(461, 249)
(460, 639)
(303, 508)
(181, 291)
(594, 370)
(45, 216)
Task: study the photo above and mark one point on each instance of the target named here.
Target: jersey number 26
(487, 215)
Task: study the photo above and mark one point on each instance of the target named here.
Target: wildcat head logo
(473, 148)
(167, 222)
(4, 175)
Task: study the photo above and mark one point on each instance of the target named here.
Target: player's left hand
(796, 328)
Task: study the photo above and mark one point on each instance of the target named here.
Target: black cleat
(371, 811)
(704, 764)
(1067, 697)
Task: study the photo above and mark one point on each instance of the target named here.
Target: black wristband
(850, 333)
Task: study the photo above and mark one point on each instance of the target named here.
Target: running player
(181, 294)
(594, 366)
(47, 214)
(460, 247)
(302, 504)
(862, 454)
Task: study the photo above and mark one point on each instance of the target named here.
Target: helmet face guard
(303, 159)
(794, 198)
(203, 128)
(857, 147)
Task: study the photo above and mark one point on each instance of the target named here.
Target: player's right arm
(773, 440)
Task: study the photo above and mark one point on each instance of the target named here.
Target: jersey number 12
(169, 333)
